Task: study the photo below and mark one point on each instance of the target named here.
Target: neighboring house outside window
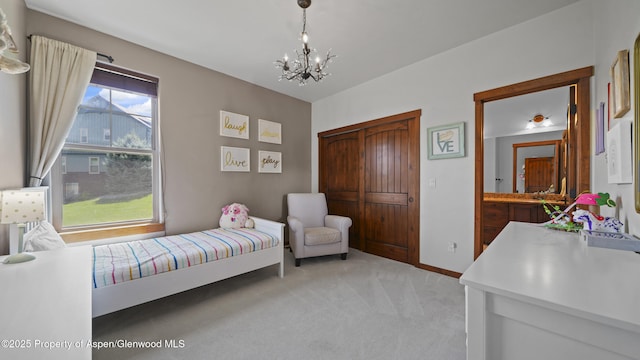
(115, 133)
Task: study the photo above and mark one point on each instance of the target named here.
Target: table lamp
(20, 207)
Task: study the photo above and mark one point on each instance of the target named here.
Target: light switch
(432, 182)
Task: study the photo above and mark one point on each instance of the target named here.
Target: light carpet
(366, 307)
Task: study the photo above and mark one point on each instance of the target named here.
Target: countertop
(558, 270)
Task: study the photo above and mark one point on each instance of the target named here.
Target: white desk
(45, 306)
(537, 293)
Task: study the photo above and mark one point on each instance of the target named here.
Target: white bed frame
(130, 293)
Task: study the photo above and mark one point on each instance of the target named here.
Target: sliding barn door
(370, 172)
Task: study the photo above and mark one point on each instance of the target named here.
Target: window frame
(128, 228)
(91, 165)
(63, 165)
(84, 135)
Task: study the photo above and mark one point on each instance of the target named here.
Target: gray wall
(12, 113)
(190, 99)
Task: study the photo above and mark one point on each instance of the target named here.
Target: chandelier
(307, 64)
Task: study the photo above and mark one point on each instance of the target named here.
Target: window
(94, 165)
(70, 190)
(115, 135)
(84, 135)
(63, 164)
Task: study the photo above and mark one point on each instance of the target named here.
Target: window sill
(111, 232)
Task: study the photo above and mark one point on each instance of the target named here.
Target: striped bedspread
(119, 262)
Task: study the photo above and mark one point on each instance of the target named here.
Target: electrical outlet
(452, 246)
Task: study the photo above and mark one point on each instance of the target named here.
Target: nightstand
(45, 306)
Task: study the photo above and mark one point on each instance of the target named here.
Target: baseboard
(439, 270)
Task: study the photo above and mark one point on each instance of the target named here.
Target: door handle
(410, 198)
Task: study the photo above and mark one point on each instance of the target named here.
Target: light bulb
(305, 37)
(286, 58)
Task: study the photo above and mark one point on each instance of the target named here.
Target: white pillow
(43, 237)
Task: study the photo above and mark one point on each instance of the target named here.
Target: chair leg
(298, 262)
(343, 256)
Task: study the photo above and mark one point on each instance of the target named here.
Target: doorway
(371, 173)
(577, 152)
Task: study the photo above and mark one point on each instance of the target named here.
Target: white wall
(12, 112)
(616, 26)
(491, 166)
(443, 87)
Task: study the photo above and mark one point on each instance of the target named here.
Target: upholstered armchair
(312, 231)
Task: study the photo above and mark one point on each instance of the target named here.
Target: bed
(207, 256)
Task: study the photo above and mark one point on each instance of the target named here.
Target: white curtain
(60, 74)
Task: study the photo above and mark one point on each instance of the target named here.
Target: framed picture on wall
(269, 162)
(234, 159)
(619, 153)
(636, 121)
(446, 141)
(234, 125)
(269, 131)
(620, 102)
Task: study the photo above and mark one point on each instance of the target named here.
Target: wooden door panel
(386, 233)
(386, 158)
(343, 153)
(539, 174)
(386, 190)
(341, 179)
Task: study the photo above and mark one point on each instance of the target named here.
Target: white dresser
(45, 306)
(537, 293)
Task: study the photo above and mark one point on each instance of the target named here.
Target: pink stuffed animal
(234, 216)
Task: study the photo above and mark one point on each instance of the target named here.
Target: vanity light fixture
(538, 120)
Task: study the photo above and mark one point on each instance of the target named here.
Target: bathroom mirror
(511, 121)
(578, 150)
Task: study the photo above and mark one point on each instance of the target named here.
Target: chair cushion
(321, 236)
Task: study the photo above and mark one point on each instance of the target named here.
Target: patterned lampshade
(21, 206)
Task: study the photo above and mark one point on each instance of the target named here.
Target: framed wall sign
(600, 129)
(620, 102)
(619, 153)
(234, 159)
(234, 125)
(269, 131)
(269, 162)
(446, 141)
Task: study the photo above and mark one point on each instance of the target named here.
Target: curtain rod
(108, 57)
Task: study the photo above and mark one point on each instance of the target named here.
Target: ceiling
(510, 116)
(244, 38)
